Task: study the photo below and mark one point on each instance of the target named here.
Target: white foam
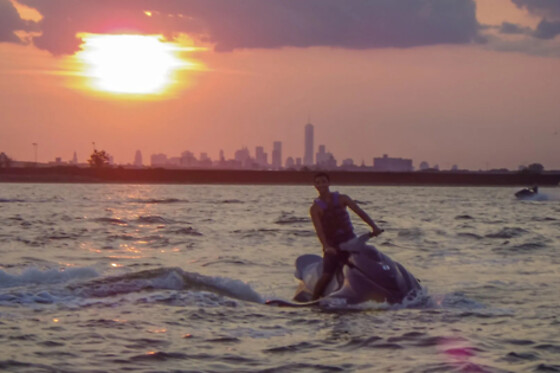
(235, 288)
(50, 276)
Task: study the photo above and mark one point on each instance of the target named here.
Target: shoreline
(287, 177)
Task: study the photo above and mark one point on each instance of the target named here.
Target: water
(154, 278)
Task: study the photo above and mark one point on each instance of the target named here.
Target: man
(333, 227)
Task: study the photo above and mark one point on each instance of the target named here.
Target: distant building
(324, 159)
(308, 146)
(290, 163)
(424, 165)
(261, 157)
(188, 159)
(74, 160)
(158, 160)
(387, 163)
(277, 155)
(243, 158)
(138, 159)
(204, 161)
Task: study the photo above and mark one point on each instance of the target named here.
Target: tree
(99, 159)
(532, 169)
(5, 161)
(536, 168)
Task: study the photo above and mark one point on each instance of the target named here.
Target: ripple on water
(152, 220)
(528, 247)
(114, 221)
(547, 368)
(507, 233)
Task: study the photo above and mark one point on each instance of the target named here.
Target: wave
(50, 276)
(168, 279)
(83, 286)
(289, 220)
(11, 200)
(188, 231)
(155, 200)
(228, 201)
(153, 219)
(507, 233)
(115, 221)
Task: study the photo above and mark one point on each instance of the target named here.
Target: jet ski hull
(368, 275)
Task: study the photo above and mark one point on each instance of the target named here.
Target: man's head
(322, 182)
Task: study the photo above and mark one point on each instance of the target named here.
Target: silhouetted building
(324, 159)
(243, 157)
(308, 146)
(204, 161)
(290, 163)
(277, 155)
(424, 166)
(138, 159)
(261, 157)
(387, 163)
(188, 159)
(158, 160)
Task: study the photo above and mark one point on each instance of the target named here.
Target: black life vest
(335, 221)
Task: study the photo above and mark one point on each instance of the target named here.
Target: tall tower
(308, 153)
(277, 155)
(138, 159)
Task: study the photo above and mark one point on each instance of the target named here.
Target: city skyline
(471, 83)
(317, 158)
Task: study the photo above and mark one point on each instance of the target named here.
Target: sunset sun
(130, 64)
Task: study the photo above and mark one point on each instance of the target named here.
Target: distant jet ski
(368, 275)
(527, 193)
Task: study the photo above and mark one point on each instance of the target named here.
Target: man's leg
(321, 285)
(329, 268)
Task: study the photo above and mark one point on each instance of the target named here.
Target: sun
(130, 64)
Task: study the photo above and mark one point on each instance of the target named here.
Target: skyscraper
(138, 159)
(277, 155)
(308, 153)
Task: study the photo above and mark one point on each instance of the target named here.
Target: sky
(450, 82)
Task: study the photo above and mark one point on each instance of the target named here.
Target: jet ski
(367, 275)
(527, 193)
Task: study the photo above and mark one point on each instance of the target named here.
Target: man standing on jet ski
(333, 227)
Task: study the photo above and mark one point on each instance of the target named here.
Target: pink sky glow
(462, 82)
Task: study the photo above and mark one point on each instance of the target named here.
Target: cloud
(549, 9)
(547, 30)
(10, 22)
(239, 24)
(512, 28)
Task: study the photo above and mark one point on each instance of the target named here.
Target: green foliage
(536, 168)
(533, 168)
(99, 159)
(5, 161)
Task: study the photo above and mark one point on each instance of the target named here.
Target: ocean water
(173, 278)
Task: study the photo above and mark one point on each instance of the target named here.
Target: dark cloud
(11, 22)
(547, 30)
(237, 24)
(512, 28)
(549, 9)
